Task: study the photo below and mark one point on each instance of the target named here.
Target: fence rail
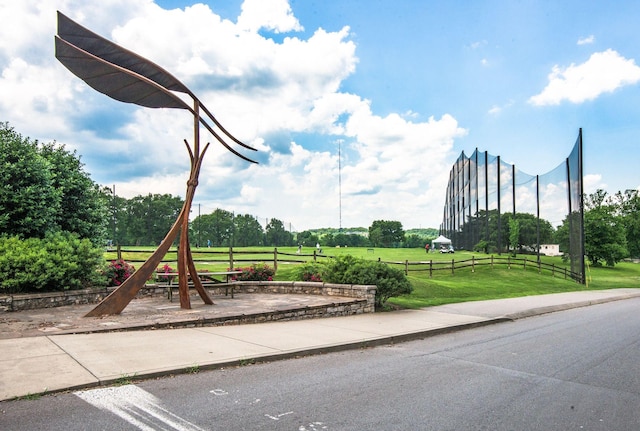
(232, 257)
(452, 266)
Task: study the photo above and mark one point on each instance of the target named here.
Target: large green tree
(528, 227)
(386, 233)
(149, 218)
(28, 201)
(45, 189)
(83, 208)
(414, 241)
(307, 238)
(276, 234)
(117, 231)
(247, 231)
(604, 233)
(215, 229)
(628, 207)
(514, 235)
(222, 228)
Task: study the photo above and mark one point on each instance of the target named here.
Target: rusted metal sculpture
(128, 77)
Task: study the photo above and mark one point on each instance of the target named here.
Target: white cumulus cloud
(587, 40)
(603, 72)
(275, 15)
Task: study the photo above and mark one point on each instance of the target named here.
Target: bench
(208, 276)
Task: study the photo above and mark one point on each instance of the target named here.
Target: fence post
(509, 262)
(473, 264)
(453, 264)
(406, 267)
(119, 252)
(275, 258)
(539, 266)
(431, 268)
(491, 261)
(524, 264)
(230, 258)
(314, 254)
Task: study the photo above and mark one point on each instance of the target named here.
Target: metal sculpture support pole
(185, 259)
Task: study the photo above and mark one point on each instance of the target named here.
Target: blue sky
(400, 87)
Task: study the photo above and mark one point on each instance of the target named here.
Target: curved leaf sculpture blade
(114, 81)
(96, 45)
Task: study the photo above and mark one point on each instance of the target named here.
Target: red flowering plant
(165, 269)
(117, 272)
(310, 271)
(312, 277)
(255, 272)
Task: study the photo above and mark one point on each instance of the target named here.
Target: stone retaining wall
(51, 299)
(92, 296)
(363, 292)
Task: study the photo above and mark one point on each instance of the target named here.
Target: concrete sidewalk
(50, 363)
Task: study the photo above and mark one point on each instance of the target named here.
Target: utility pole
(340, 184)
(113, 241)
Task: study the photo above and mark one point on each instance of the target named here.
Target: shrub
(336, 270)
(350, 270)
(255, 272)
(117, 271)
(59, 261)
(310, 271)
(481, 247)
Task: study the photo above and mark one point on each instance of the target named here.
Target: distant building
(550, 249)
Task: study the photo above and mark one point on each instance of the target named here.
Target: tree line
(145, 220)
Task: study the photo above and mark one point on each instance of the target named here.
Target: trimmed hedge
(59, 261)
(350, 270)
(309, 271)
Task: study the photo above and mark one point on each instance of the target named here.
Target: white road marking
(313, 426)
(136, 406)
(277, 417)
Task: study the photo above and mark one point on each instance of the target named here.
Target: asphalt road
(572, 370)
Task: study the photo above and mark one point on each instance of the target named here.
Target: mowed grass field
(442, 287)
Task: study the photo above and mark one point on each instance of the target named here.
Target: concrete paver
(113, 355)
(404, 322)
(37, 361)
(36, 365)
(284, 337)
(534, 305)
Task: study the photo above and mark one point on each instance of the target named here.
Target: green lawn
(484, 282)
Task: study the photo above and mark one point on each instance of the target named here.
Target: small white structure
(440, 241)
(550, 249)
